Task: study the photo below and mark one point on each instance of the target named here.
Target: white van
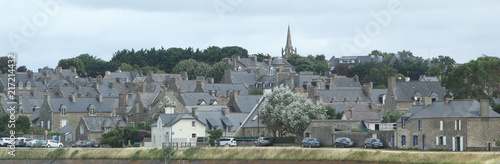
(228, 141)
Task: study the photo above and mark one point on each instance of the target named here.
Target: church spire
(289, 50)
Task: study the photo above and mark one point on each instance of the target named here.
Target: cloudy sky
(45, 31)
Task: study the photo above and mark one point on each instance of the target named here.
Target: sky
(45, 31)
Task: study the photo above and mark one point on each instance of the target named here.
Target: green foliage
(22, 124)
(341, 69)
(283, 139)
(216, 71)
(332, 114)
(57, 154)
(214, 136)
(36, 130)
(380, 87)
(317, 64)
(379, 74)
(113, 138)
(496, 108)
(88, 65)
(72, 62)
(256, 92)
(192, 67)
(289, 112)
(156, 153)
(54, 133)
(4, 66)
(391, 117)
(477, 79)
(261, 57)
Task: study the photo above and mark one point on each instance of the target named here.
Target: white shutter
(461, 143)
(456, 124)
(48, 124)
(441, 125)
(453, 143)
(444, 140)
(437, 140)
(459, 124)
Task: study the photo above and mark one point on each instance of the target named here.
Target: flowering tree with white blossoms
(288, 112)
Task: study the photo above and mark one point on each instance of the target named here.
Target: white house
(176, 128)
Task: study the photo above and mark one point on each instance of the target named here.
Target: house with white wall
(176, 128)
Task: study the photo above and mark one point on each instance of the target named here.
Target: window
(193, 135)
(132, 124)
(92, 111)
(415, 140)
(403, 140)
(81, 129)
(458, 124)
(137, 108)
(20, 85)
(229, 129)
(63, 111)
(420, 124)
(63, 123)
(41, 124)
(28, 85)
(402, 122)
(48, 124)
(441, 125)
(193, 124)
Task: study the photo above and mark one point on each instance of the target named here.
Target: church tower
(289, 50)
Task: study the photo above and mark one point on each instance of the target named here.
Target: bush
(283, 139)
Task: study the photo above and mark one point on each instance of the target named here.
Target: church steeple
(289, 50)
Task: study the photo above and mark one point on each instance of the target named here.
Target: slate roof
(350, 95)
(66, 128)
(271, 78)
(224, 89)
(376, 94)
(346, 82)
(217, 118)
(206, 108)
(244, 77)
(429, 78)
(191, 98)
(187, 85)
(406, 90)
(353, 107)
(68, 72)
(169, 120)
(251, 120)
(247, 103)
(454, 109)
(98, 123)
(81, 104)
(362, 115)
(123, 75)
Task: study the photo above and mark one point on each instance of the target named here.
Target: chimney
(2, 99)
(107, 73)
(253, 57)
(46, 98)
(19, 99)
(149, 77)
(111, 85)
(368, 88)
(99, 79)
(122, 101)
(391, 83)
(407, 79)
(289, 82)
(73, 69)
(427, 101)
(118, 71)
(58, 70)
(447, 100)
(267, 61)
(212, 92)
(99, 97)
(356, 77)
(210, 80)
(200, 78)
(78, 87)
(225, 60)
(350, 113)
(73, 98)
(225, 111)
(59, 90)
(30, 74)
(184, 75)
(484, 108)
(199, 86)
(194, 112)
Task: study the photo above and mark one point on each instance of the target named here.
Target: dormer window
(28, 85)
(20, 85)
(202, 102)
(91, 110)
(21, 110)
(63, 110)
(346, 99)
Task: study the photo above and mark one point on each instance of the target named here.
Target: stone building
(403, 94)
(455, 125)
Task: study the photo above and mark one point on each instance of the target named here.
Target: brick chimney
(484, 108)
(122, 100)
(427, 101)
(447, 100)
(200, 84)
(368, 88)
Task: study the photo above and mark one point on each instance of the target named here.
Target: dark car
(263, 141)
(343, 142)
(311, 142)
(78, 144)
(20, 142)
(40, 143)
(373, 142)
(91, 144)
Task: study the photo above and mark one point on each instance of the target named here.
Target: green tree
(496, 108)
(332, 114)
(214, 136)
(341, 69)
(477, 79)
(153, 69)
(128, 67)
(113, 138)
(23, 124)
(216, 71)
(4, 67)
(261, 57)
(391, 117)
(192, 67)
(73, 62)
(288, 112)
(379, 74)
(256, 91)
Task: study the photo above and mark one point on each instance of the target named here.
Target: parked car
(137, 144)
(40, 143)
(373, 142)
(311, 142)
(30, 142)
(54, 143)
(6, 141)
(343, 142)
(19, 142)
(91, 144)
(263, 141)
(228, 141)
(78, 144)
